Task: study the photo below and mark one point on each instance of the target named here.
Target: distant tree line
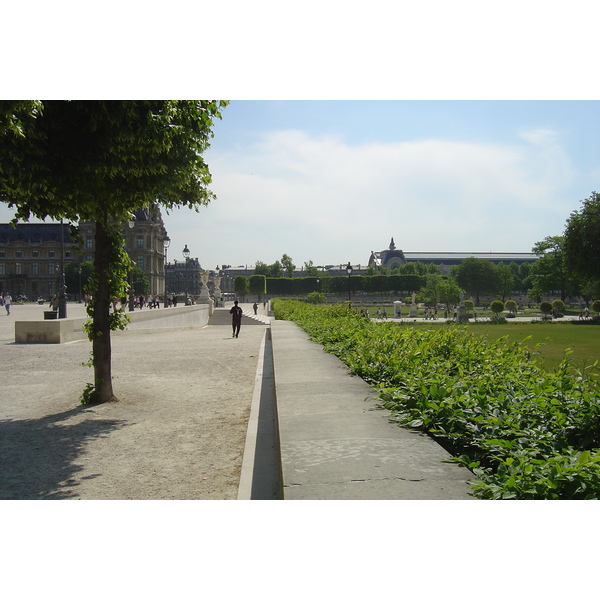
(568, 265)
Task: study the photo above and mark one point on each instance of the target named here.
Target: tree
(17, 115)
(261, 268)
(241, 285)
(582, 239)
(546, 308)
(310, 270)
(497, 306)
(100, 161)
(550, 273)
(287, 265)
(505, 280)
(257, 284)
(510, 306)
(432, 290)
(275, 269)
(476, 276)
(449, 293)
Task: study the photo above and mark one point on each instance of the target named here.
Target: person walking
(7, 301)
(255, 307)
(236, 318)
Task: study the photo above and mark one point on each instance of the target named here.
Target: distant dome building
(392, 258)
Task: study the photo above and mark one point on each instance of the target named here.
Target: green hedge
(524, 432)
(281, 286)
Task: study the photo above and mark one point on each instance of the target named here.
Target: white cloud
(321, 199)
(324, 198)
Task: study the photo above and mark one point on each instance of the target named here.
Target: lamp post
(166, 242)
(349, 271)
(186, 255)
(62, 295)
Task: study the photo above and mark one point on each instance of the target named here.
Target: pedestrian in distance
(255, 307)
(53, 303)
(236, 318)
(7, 301)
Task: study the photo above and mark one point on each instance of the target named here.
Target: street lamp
(349, 271)
(62, 295)
(166, 242)
(186, 255)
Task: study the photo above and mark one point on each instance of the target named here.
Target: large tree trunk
(101, 346)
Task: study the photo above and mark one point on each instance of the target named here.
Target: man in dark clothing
(236, 321)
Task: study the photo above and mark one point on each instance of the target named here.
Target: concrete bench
(59, 331)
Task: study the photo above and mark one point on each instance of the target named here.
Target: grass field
(555, 338)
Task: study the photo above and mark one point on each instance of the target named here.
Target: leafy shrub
(546, 307)
(510, 306)
(559, 305)
(497, 306)
(316, 298)
(524, 432)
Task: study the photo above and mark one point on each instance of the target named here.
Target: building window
(35, 268)
(51, 287)
(18, 269)
(89, 242)
(19, 253)
(89, 257)
(35, 253)
(67, 253)
(140, 261)
(140, 241)
(51, 269)
(2, 269)
(2, 253)
(50, 253)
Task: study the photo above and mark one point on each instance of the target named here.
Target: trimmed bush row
(524, 432)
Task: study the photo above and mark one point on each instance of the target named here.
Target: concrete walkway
(335, 445)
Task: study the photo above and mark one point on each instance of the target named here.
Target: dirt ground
(177, 432)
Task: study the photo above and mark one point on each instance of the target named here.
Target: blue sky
(329, 181)
(317, 173)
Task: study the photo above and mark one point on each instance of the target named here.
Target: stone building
(144, 241)
(30, 258)
(183, 277)
(30, 253)
(393, 258)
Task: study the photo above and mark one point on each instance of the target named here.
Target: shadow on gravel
(37, 455)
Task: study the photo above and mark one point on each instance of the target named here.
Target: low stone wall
(59, 331)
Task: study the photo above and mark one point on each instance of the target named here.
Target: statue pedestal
(463, 317)
(414, 312)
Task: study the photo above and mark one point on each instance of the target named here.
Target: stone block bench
(60, 331)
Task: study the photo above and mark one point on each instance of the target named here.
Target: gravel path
(177, 432)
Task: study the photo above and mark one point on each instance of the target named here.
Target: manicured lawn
(555, 338)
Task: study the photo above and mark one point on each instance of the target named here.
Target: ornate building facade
(30, 253)
(184, 277)
(30, 258)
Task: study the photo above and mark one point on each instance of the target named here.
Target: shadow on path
(37, 456)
